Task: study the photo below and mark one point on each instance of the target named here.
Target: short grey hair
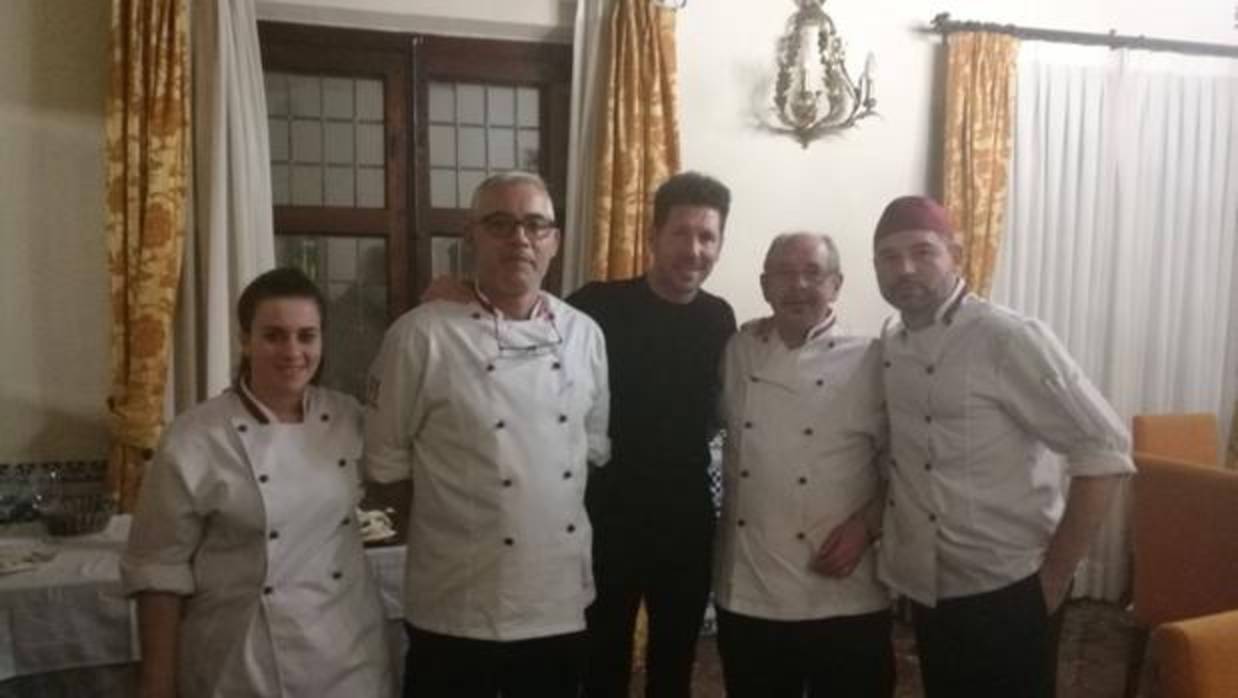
(504, 179)
(834, 265)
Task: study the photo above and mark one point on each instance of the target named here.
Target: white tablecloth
(69, 613)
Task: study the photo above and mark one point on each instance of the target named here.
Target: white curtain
(1121, 235)
(588, 43)
(231, 236)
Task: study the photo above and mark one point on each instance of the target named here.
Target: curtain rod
(943, 24)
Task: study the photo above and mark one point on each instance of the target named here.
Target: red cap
(914, 213)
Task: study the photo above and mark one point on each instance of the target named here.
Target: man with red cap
(983, 528)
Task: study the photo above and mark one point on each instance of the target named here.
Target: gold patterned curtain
(148, 141)
(980, 91)
(638, 141)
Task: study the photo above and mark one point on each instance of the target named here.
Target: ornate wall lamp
(814, 94)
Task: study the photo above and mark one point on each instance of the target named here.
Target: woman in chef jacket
(245, 555)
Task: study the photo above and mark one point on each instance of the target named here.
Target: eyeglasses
(811, 277)
(543, 339)
(503, 226)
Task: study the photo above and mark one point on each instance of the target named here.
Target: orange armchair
(1197, 658)
(1190, 437)
(1186, 545)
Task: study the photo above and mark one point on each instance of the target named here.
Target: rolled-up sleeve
(1049, 395)
(165, 533)
(597, 421)
(391, 402)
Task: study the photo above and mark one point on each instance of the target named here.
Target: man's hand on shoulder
(448, 288)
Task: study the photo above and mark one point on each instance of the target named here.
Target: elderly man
(651, 505)
(981, 531)
(800, 610)
(493, 409)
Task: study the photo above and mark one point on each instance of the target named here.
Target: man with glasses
(492, 409)
(651, 506)
(800, 610)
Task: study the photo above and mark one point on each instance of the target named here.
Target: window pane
(470, 104)
(528, 107)
(447, 256)
(501, 106)
(337, 98)
(306, 185)
(370, 100)
(340, 186)
(339, 144)
(371, 187)
(442, 188)
(528, 149)
(280, 195)
(472, 147)
(277, 130)
(443, 146)
(277, 93)
(306, 95)
(306, 141)
(369, 144)
(502, 150)
(442, 102)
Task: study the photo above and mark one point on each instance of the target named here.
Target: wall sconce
(814, 94)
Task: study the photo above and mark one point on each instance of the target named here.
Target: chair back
(1186, 540)
(1189, 436)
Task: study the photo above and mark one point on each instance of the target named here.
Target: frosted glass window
(277, 93)
(352, 273)
(277, 130)
(306, 141)
(472, 147)
(470, 104)
(341, 259)
(369, 144)
(442, 102)
(306, 94)
(339, 189)
(370, 187)
(468, 181)
(443, 146)
(337, 98)
(306, 185)
(280, 195)
(442, 188)
(502, 149)
(370, 100)
(339, 145)
(447, 256)
(528, 149)
(528, 107)
(501, 106)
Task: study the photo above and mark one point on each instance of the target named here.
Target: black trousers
(442, 666)
(842, 657)
(655, 552)
(999, 643)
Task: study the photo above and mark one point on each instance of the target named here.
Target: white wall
(839, 185)
(53, 282)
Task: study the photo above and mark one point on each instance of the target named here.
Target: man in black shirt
(651, 507)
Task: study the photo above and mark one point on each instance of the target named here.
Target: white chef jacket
(804, 430)
(494, 420)
(976, 401)
(253, 522)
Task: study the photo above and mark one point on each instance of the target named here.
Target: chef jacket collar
(256, 408)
